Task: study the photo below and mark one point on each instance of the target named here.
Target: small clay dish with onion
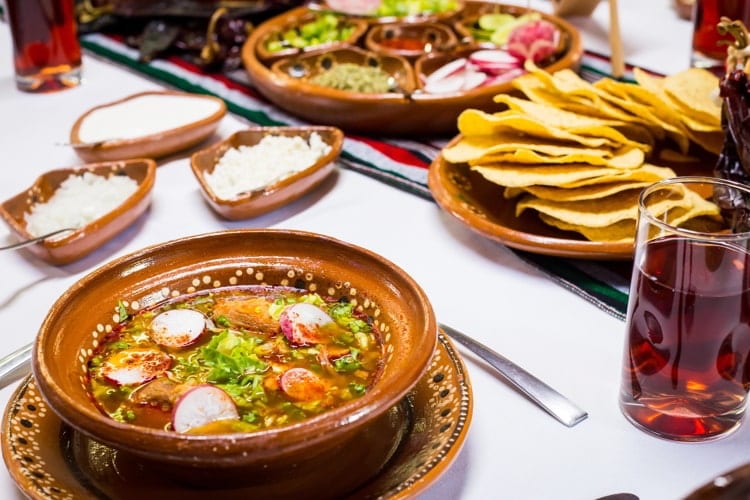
(349, 443)
(146, 125)
(280, 190)
(310, 31)
(76, 244)
(301, 73)
(410, 40)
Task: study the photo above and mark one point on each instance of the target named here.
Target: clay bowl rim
(112, 146)
(244, 202)
(373, 44)
(360, 28)
(388, 390)
(413, 18)
(302, 85)
(96, 226)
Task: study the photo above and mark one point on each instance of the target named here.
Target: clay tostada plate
(49, 460)
(481, 206)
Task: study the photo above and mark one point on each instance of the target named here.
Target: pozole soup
(236, 359)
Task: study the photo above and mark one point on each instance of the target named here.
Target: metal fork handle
(26, 243)
(542, 394)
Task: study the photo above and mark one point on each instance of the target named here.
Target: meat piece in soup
(235, 359)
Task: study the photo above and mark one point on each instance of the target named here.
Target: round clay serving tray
(74, 245)
(481, 206)
(414, 113)
(48, 460)
(151, 145)
(277, 193)
(374, 18)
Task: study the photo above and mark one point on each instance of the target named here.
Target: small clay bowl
(72, 246)
(276, 31)
(278, 192)
(300, 70)
(324, 456)
(127, 122)
(410, 40)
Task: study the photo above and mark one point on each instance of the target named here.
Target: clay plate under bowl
(153, 145)
(359, 27)
(429, 37)
(273, 195)
(412, 114)
(350, 443)
(84, 240)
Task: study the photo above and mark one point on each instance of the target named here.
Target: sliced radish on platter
(202, 405)
(135, 366)
(301, 324)
(301, 384)
(448, 85)
(473, 79)
(494, 57)
(177, 327)
(535, 40)
(505, 77)
(446, 70)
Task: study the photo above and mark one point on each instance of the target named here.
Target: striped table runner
(400, 163)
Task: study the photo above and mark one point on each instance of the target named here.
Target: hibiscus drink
(46, 51)
(687, 355)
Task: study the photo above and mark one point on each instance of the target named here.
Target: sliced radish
(448, 85)
(505, 77)
(473, 79)
(177, 327)
(302, 385)
(202, 405)
(301, 324)
(446, 70)
(494, 57)
(135, 366)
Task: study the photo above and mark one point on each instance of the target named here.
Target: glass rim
(689, 233)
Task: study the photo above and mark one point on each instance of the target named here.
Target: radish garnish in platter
(465, 73)
(535, 40)
(201, 406)
(301, 384)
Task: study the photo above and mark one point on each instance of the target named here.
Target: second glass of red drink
(686, 367)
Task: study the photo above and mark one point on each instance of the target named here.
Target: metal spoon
(15, 365)
(543, 395)
(43, 237)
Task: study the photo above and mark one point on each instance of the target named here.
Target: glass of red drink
(710, 47)
(686, 367)
(46, 51)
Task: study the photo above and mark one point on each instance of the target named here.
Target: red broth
(247, 349)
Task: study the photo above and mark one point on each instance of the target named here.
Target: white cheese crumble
(79, 200)
(247, 168)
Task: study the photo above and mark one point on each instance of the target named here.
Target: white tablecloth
(513, 449)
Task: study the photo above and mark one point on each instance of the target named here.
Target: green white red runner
(401, 163)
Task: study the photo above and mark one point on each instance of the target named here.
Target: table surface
(513, 449)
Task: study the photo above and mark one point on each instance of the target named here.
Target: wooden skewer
(615, 41)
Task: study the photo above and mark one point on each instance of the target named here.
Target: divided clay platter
(405, 112)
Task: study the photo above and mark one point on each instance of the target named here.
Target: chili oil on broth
(326, 353)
